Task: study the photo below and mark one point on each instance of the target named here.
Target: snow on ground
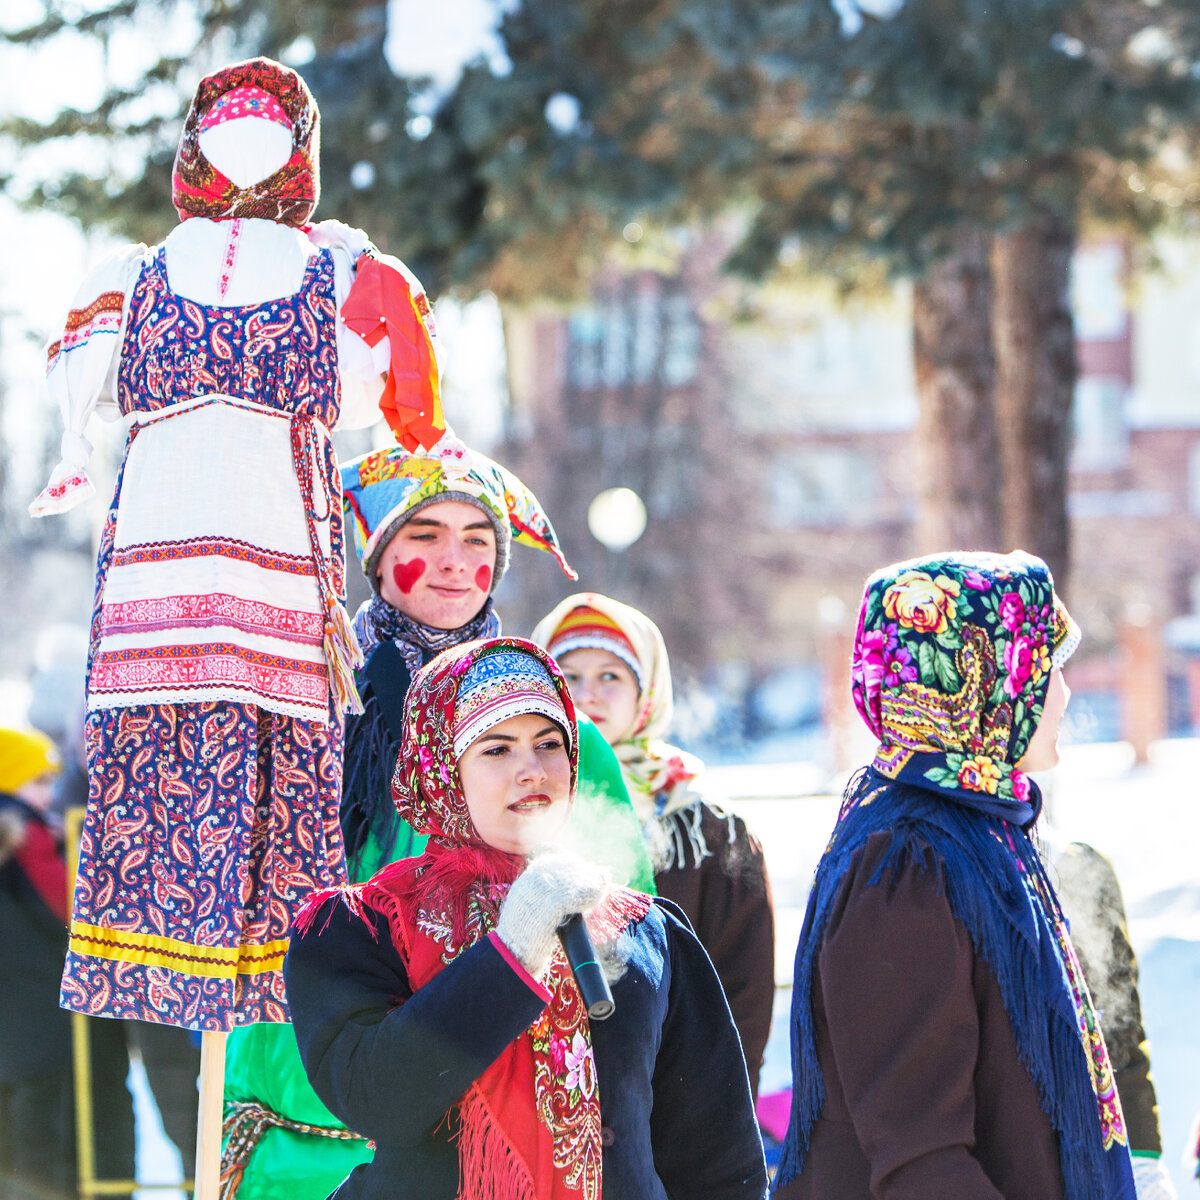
(158, 1161)
(1146, 819)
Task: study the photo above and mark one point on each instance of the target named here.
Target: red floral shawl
(290, 195)
(530, 1124)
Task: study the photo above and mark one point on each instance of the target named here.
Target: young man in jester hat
(434, 533)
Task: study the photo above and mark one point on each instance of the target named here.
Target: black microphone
(589, 974)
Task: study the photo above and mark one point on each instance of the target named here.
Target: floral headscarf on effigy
(261, 88)
(538, 1103)
(654, 769)
(951, 664)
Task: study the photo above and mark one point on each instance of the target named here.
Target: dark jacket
(35, 1034)
(1091, 898)
(925, 1095)
(718, 876)
(391, 1063)
(373, 831)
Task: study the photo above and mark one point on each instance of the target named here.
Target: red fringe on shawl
(491, 1164)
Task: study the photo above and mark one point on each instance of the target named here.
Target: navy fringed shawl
(979, 856)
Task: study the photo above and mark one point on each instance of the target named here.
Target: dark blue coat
(674, 1098)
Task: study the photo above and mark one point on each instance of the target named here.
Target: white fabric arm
(81, 368)
(337, 235)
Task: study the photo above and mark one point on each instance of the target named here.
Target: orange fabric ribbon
(381, 304)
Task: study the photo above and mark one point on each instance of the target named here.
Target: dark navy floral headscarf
(952, 660)
(952, 663)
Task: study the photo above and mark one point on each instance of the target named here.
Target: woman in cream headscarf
(705, 860)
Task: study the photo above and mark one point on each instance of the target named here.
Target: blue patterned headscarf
(505, 682)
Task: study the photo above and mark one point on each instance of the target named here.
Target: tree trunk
(958, 462)
(1034, 339)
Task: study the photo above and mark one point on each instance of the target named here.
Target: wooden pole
(81, 1048)
(208, 1130)
(85, 1142)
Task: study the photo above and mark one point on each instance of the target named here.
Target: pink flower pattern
(1018, 662)
(1012, 611)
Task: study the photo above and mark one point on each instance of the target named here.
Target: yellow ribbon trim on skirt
(217, 962)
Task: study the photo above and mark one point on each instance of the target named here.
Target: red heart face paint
(406, 574)
(483, 578)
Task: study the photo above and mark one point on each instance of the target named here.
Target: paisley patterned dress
(214, 752)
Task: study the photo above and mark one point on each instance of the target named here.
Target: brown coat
(1088, 890)
(717, 875)
(925, 1096)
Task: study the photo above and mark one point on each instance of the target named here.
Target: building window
(824, 487)
(1099, 426)
(681, 352)
(1098, 292)
(1193, 484)
(641, 335)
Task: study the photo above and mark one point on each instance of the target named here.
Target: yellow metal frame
(81, 1046)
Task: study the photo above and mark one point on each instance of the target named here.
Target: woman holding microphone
(436, 1012)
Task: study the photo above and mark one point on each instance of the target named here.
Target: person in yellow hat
(29, 762)
(36, 1126)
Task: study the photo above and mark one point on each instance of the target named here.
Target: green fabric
(603, 819)
(262, 1062)
(409, 844)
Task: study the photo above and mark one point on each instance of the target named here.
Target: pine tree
(963, 143)
(1021, 119)
(960, 143)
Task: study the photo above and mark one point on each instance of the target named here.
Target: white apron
(218, 587)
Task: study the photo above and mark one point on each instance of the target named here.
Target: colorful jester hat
(951, 664)
(385, 488)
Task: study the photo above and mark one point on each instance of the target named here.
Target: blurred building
(771, 434)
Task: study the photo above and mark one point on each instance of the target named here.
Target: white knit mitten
(1151, 1180)
(552, 887)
